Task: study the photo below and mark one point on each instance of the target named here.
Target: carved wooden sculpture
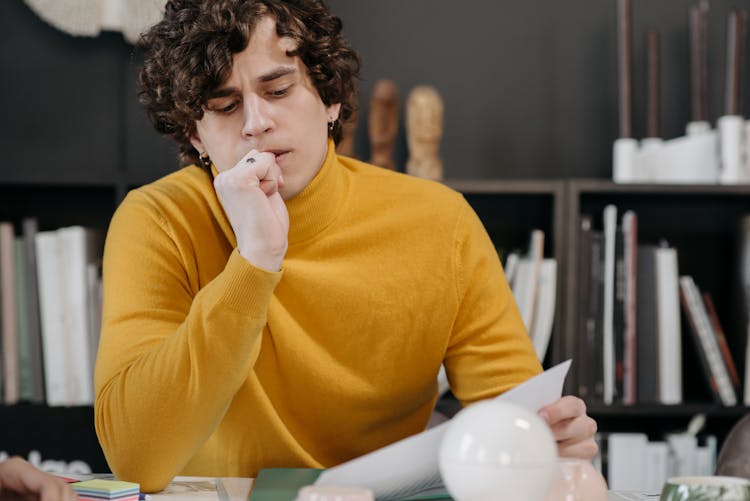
(383, 124)
(424, 128)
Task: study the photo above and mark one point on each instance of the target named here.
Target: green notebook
(282, 484)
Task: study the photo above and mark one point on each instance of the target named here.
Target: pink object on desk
(331, 493)
(577, 480)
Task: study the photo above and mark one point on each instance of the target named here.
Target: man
(296, 311)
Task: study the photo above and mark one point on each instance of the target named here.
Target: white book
(669, 333)
(544, 316)
(657, 466)
(511, 264)
(626, 470)
(526, 278)
(75, 254)
(630, 344)
(53, 318)
(63, 257)
(608, 302)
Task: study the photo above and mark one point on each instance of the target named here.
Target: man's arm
(491, 351)
(172, 353)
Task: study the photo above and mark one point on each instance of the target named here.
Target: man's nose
(257, 117)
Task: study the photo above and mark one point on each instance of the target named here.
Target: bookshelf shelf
(61, 434)
(668, 411)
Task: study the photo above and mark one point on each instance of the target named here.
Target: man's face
(268, 103)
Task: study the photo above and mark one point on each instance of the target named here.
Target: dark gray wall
(529, 86)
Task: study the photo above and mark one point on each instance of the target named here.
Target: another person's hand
(573, 430)
(249, 193)
(21, 480)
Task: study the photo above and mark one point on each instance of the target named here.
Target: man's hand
(573, 430)
(21, 480)
(249, 193)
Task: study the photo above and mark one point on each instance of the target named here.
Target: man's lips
(279, 154)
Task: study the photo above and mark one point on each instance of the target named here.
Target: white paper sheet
(409, 466)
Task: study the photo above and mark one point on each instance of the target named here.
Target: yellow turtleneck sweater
(208, 365)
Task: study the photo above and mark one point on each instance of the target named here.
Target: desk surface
(238, 489)
(220, 489)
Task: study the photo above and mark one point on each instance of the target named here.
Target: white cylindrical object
(648, 163)
(623, 160)
(731, 131)
(695, 128)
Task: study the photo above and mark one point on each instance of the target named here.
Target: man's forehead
(265, 30)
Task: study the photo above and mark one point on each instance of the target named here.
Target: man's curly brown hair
(189, 53)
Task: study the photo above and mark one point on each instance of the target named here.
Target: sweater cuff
(247, 287)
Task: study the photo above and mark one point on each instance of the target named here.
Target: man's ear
(333, 111)
(195, 140)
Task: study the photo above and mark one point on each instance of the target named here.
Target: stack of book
(96, 489)
(50, 313)
(533, 279)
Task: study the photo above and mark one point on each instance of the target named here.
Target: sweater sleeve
(170, 359)
(489, 351)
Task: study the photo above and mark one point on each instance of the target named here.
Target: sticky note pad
(106, 489)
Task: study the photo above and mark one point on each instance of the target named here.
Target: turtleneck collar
(318, 205)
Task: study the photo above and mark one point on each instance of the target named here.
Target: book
(584, 338)
(721, 340)
(595, 318)
(669, 333)
(626, 468)
(630, 273)
(526, 279)
(544, 316)
(9, 319)
(743, 297)
(30, 227)
(706, 342)
(608, 302)
(63, 259)
(23, 342)
(53, 318)
(647, 341)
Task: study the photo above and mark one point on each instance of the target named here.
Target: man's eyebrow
(277, 73)
(268, 77)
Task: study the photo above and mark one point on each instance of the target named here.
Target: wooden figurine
(345, 145)
(383, 123)
(424, 128)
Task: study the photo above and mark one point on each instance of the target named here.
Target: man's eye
(229, 108)
(279, 92)
(221, 107)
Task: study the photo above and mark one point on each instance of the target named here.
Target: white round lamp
(496, 450)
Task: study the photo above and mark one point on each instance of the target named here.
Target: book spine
(610, 232)
(707, 345)
(8, 306)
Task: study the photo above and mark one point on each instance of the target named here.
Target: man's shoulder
(180, 188)
(388, 183)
